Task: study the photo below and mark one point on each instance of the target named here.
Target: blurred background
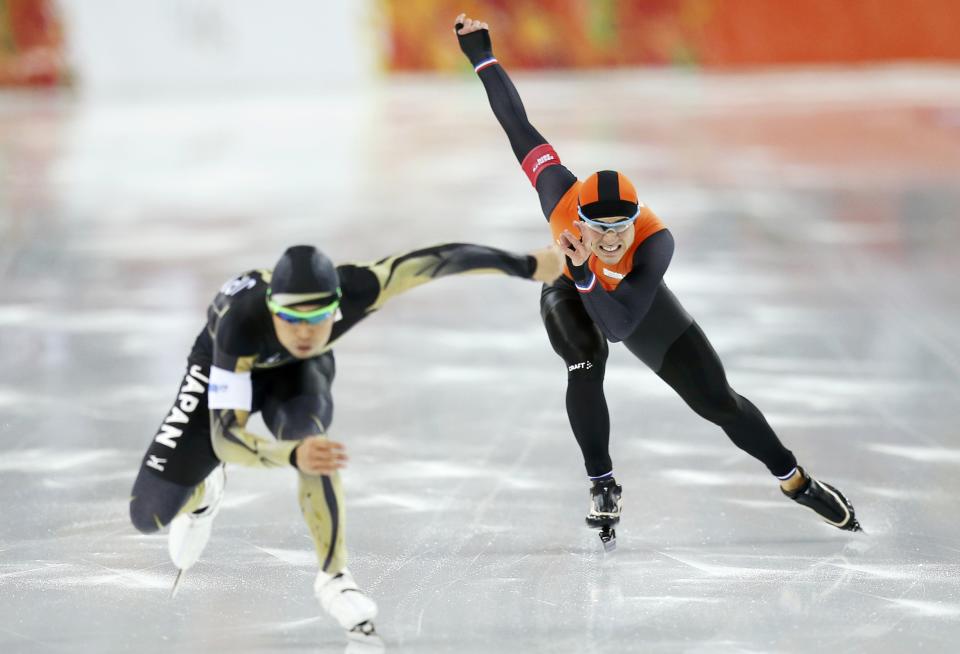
(187, 43)
(184, 43)
(806, 157)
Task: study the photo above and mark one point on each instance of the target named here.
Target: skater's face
(303, 339)
(608, 245)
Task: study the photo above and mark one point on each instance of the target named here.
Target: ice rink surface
(815, 214)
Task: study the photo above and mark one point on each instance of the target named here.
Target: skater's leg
(179, 458)
(156, 501)
(584, 350)
(693, 369)
(299, 404)
(676, 348)
(581, 345)
(321, 501)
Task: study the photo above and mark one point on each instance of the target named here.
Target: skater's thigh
(572, 333)
(297, 399)
(665, 322)
(179, 457)
(181, 451)
(693, 368)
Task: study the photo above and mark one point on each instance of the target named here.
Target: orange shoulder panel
(646, 226)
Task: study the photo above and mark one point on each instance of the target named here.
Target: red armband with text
(539, 159)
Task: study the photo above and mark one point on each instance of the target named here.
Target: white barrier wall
(212, 45)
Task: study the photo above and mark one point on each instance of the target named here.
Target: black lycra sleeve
(618, 313)
(554, 180)
(509, 110)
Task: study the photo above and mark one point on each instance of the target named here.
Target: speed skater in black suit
(267, 347)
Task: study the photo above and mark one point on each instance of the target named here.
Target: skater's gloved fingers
(470, 25)
(573, 248)
(458, 22)
(321, 467)
(572, 238)
(586, 240)
(318, 455)
(314, 454)
(322, 443)
(587, 235)
(327, 460)
(322, 470)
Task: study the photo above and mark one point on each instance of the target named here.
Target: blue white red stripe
(788, 475)
(603, 476)
(483, 64)
(589, 286)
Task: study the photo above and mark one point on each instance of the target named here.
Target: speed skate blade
(363, 639)
(176, 583)
(608, 537)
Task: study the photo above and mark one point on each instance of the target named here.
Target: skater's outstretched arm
(618, 313)
(537, 157)
(397, 274)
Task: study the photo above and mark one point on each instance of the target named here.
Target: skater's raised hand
(318, 455)
(474, 38)
(576, 249)
(465, 25)
(549, 264)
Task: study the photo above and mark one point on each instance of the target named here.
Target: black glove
(476, 45)
(579, 273)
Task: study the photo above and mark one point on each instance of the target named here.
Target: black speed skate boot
(604, 512)
(827, 501)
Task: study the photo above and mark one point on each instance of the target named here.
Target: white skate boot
(189, 532)
(350, 607)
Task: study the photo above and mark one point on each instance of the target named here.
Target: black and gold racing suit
(294, 395)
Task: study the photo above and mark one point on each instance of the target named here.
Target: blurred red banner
(711, 33)
(31, 44)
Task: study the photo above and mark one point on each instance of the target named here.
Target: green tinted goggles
(312, 317)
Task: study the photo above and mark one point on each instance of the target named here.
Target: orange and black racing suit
(628, 302)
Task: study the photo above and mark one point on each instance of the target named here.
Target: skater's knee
(576, 339)
(720, 407)
(144, 519)
(154, 502)
(300, 417)
(586, 358)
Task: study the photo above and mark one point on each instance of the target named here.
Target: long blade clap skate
(605, 505)
(190, 532)
(827, 502)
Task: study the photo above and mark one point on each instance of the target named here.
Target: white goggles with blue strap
(618, 227)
